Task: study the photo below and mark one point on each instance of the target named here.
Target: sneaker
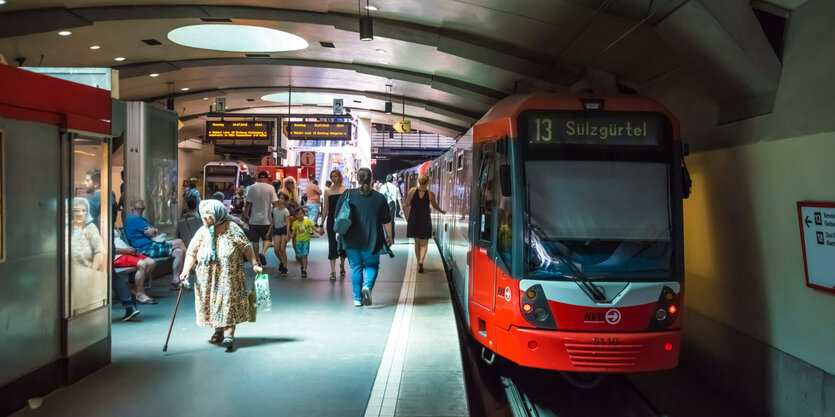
(366, 296)
(130, 313)
(304, 273)
(263, 259)
(357, 303)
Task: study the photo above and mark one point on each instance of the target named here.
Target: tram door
(483, 269)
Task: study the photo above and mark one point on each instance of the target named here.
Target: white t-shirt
(278, 217)
(118, 243)
(261, 195)
(391, 192)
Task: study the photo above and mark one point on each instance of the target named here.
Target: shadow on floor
(425, 301)
(245, 342)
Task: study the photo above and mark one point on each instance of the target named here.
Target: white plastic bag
(262, 292)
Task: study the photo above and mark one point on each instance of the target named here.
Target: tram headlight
(661, 314)
(666, 309)
(535, 309)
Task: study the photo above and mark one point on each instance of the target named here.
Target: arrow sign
(808, 222)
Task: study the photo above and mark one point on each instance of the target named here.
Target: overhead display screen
(544, 129)
(239, 133)
(318, 131)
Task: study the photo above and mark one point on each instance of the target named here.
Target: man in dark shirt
(364, 241)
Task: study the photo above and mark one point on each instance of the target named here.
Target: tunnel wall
(753, 330)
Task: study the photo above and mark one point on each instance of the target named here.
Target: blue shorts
(282, 231)
(302, 248)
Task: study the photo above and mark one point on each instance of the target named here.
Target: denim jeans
(121, 289)
(364, 268)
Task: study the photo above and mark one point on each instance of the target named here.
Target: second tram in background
(563, 231)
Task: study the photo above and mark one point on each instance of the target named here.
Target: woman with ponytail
(220, 295)
(364, 240)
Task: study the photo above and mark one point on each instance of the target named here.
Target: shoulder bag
(342, 221)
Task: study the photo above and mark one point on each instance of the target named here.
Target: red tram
(563, 231)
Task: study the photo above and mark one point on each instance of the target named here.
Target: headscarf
(208, 253)
(83, 201)
(294, 196)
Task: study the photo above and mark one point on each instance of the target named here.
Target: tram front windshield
(221, 178)
(609, 219)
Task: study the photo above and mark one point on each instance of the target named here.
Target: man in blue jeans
(364, 240)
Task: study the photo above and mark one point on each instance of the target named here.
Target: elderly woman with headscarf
(87, 249)
(219, 249)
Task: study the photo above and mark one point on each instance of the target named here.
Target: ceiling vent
(151, 42)
(216, 19)
(327, 44)
(358, 101)
(257, 55)
(250, 99)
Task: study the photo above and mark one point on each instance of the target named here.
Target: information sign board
(239, 133)
(307, 159)
(817, 236)
(550, 129)
(318, 131)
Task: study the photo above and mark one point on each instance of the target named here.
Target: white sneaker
(357, 303)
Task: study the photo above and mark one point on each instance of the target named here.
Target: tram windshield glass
(223, 178)
(609, 219)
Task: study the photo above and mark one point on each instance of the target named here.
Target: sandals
(333, 276)
(420, 268)
(228, 343)
(216, 338)
(148, 300)
(342, 273)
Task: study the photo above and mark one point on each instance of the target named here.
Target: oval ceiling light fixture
(94, 47)
(236, 38)
(185, 89)
(370, 7)
(65, 33)
(154, 75)
(317, 99)
(119, 58)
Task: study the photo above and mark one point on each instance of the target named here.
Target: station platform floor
(313, 354)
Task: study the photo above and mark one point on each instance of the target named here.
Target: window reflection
(89, 226)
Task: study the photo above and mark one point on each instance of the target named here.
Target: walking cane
(179, 294)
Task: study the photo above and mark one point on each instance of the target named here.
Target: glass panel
(161, 174)
(608, 219)
(2, 197)
(89, 228)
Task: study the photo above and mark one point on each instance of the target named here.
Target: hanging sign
(239, 133)
(338, 106)
(817, 237)
(318, 131)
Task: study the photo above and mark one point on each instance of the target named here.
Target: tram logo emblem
(613, 316)
(507, 294)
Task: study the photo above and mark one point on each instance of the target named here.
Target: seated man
(127, 257)
(141, 236)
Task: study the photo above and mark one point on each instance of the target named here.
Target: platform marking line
(386, 389)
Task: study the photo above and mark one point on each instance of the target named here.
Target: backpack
(342, 221)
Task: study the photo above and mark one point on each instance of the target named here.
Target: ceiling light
(205, 98)
(317, 99)
(65, 33)
(382, 51)
(2, 2)
(383, 61)
(184, 89)
(236, 38)
(119, 58)
(92, 47)
(366, 24)
(153, 75)
(370, 7)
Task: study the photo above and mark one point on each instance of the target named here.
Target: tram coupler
(484, 351)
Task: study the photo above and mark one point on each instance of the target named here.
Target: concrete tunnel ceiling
(449, 61)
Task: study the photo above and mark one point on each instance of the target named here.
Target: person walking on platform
(331, 197)
(392, 195)
(364, 240)
(259, 201)
(280, 231)
(303, 229)
(220, 294)
(419, 225)
(314, 195)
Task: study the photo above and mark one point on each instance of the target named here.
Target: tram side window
(485, 187)
(504, 203)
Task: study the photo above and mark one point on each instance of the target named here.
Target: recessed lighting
(119, 58)
(95, 47)
(205, 98)
(382, 51)
(385, 62)
(372, 8)
(184, 89)
(2, 2)
(236, 38)
(153, 75)
(65, 33)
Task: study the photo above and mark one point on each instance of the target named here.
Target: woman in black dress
(331, 197)
(416, 209)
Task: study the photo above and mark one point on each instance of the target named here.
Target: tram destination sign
(543, 129)
(239, 133)
(318, 131)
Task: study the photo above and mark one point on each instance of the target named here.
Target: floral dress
(220, 293)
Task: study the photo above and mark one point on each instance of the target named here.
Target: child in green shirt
(302, 230)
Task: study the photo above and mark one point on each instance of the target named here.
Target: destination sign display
(252, 133)
(318, 130)
(582, 128)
